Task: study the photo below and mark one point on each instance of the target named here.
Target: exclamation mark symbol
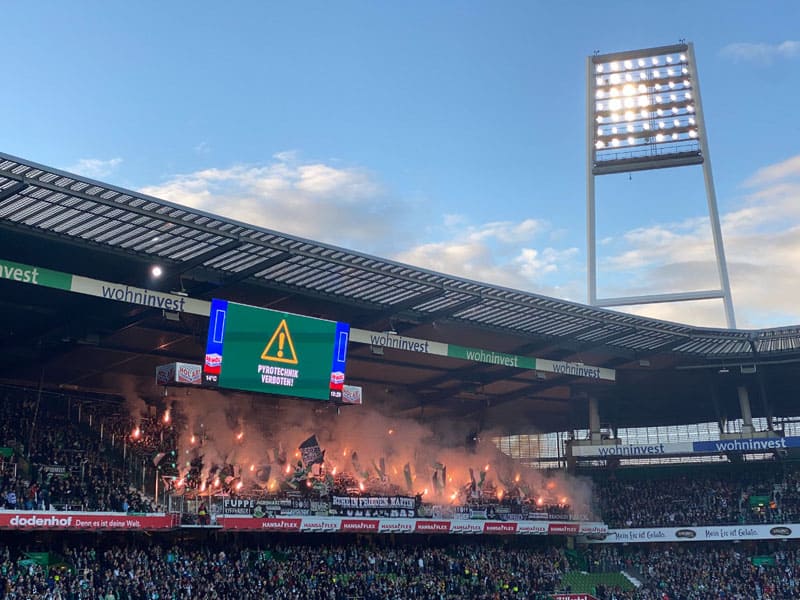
(281, 342)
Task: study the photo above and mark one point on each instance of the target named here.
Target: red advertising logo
(189, 373)
(213, 363)
(563, 528)
(84, 521)
(432, 527)
(499, 527)
(281, 524)
(359, 525)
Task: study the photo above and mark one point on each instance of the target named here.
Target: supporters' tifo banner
(712, 533)
(85, 521)
(33, 275)
(374, 506)
(708, 447)
(388, 525)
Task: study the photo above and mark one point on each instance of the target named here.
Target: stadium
(195, 407)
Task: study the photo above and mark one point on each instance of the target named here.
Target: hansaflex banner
(711, 533)
(318, 524)
(85, 521)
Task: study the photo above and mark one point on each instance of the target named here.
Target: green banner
(34, 275)
(493, 358)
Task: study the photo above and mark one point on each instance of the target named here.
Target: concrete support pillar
(594, 419)
(744, 406)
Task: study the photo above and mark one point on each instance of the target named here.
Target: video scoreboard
(261, 350)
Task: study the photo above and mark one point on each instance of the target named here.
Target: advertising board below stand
(710, 533)
(319, 524)
(85, 521)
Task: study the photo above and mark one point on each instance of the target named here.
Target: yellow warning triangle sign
(280, 347)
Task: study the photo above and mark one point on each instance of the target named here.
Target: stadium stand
(70, 443)
(692, 495)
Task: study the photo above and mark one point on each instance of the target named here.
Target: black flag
(310, 451)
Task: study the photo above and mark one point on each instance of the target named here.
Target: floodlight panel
(644, 109)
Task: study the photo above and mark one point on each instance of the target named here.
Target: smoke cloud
(255, 440)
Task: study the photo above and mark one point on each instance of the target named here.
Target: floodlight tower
(643, 112)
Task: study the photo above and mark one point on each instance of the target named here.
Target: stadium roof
(49, 201)
(99, 230)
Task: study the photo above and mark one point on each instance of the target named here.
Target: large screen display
(261, 350)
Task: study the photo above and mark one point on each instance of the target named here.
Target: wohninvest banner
(738, 445)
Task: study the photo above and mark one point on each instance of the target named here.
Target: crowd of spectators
(58, 464)
(699, 572)
(310, 568)
(286, 572)
(768, 494)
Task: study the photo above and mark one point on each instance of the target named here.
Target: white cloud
(769, 175)
(762, 244)
(342, 206)
(349, 208)
(498, 252)
(95, 167)
(761, 53)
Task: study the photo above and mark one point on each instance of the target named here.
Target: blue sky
(446, 134)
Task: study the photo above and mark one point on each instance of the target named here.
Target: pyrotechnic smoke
(255, 439)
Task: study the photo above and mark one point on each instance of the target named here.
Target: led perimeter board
(260, 350)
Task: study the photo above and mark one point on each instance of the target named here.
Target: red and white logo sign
(213, 363)
(318, 525)
(351, 394)
(396, 526)
(563, 528)
(188, 373)
(466, 527)
(84, 521)
(531, 528)
(500, 527)
(432, 527)
(281, 524)
(359, 525)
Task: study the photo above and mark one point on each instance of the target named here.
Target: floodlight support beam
(594, 169)
(711, 196)
(659, 298)
(591, 217)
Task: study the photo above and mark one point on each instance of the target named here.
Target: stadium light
(156, 271)
(636, 88)
(643, 112)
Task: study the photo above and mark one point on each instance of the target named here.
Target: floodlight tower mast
(643, 112)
